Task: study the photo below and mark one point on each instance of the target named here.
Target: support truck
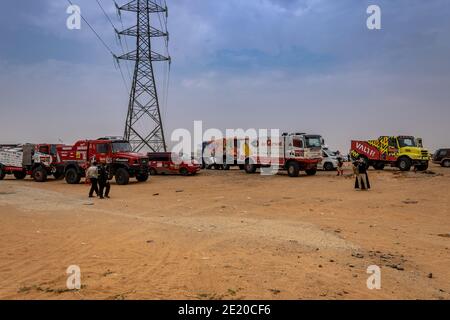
(402, 152)
(36, 160)
(295, 152)
(115, 153)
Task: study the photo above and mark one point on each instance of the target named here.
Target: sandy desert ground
(229, 235)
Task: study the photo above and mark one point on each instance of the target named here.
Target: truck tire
(378, 166)
(422, 167)
(249, 167)
(446, 163)
(39, 174)
(293, 169)
(2, 173)
(328, 166)
(311, 172)
(143, 177)
(226, 167)
(153, 172)
(122, 177)
(73, 176)
(184, 172)
(404, 164)
(20, 175)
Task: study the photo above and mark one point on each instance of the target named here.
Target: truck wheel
(226, 166)
(143, 177)
(184, 172)
(20, 175)
(311, 172)
(122, 177)
(328, 166)
(378, 166)
(404, 164)
(153, 172)
(39, 174)
(72, 176)
(446, 163)
(293, 169)
(249, 167)
(422, 167)
(2, 173)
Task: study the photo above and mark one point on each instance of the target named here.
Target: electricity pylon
(144, 127)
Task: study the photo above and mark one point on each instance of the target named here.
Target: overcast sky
(297, 65)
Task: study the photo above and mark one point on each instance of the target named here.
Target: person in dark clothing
(362, 178)
(103, 182)
(92, 176)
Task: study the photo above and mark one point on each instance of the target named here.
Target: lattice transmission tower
(144, 128)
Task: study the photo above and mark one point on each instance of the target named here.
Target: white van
(329, 160)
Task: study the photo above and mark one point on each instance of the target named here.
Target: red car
(169, 163)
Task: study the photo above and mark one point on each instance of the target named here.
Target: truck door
(392, 150)
(102, 151)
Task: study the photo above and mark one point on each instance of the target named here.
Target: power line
(95, 32)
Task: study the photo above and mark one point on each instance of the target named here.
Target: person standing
(103, 182)
(92, 176)
(362, 178)
(340, 164)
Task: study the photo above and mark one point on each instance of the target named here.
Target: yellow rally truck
(402, 152)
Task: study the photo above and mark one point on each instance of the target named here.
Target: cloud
(293, 64)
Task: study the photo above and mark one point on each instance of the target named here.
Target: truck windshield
(121, 147)
(313, 141)
(407, 142)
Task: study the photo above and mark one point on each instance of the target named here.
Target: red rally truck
(115, 153)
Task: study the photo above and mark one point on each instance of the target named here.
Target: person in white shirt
(92, 175)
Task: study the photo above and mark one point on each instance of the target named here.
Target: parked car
(170, 163)
(329, 160)
(442, 157)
